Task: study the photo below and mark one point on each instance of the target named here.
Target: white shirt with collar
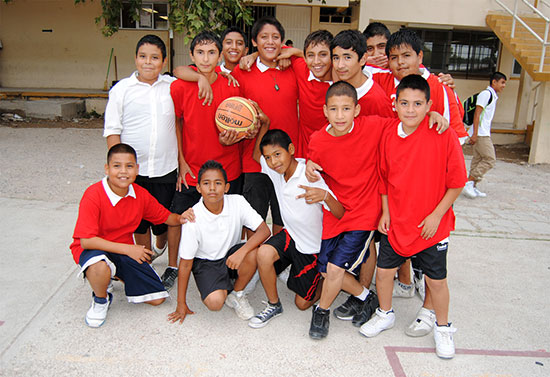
(261, 66)
(114, 198)
(367, 85)
(303, 221)
(224, 69)
(211, 236)
(486, 117)
(312, 77)
(143, 115)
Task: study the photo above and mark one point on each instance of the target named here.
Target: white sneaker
(399, 291)
(444, 343)
(379, 322)
(469, 191)
(239, 302)
(420, 285)
(158, 252)
(97, 313)
(479, 193)
(423, 324)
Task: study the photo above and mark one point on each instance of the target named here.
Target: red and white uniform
(373, 99)
(416, 171)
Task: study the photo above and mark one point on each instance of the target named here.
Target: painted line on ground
(393, 358)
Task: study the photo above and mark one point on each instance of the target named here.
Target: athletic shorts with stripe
(347, 250)
(304, 277)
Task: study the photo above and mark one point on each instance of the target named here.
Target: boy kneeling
(110, 211)
(210, 246)
(422, 174)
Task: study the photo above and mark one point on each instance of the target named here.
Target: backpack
(470, 108)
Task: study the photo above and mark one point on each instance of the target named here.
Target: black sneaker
(348, 309)
(369, 307)
(169, 277)
(320, 321)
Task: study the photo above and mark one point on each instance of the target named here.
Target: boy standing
(480, 135)
(140, 112)
(299, 242)
(417, 216)
(198, 136)
(109, 212)
(210, 246)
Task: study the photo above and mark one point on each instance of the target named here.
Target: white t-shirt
(211, 236)
(304, 222)
(486, 117)
(143, 115)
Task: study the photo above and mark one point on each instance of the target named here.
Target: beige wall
(74, 55)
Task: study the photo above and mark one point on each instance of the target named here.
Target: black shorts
(431, 261)
(258, 190)
(304, 277)
(188, 197)
(212, 275)
(162, 189)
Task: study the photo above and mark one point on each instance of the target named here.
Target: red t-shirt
(97, 217)
(443, 98)
(375, 101)
(416, 172)
(312, 98)
(199, 131)
(279, 105)
(350, 169)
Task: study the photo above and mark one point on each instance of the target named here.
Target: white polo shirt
(304, 222)
(143, 115)
(211, 236)
(488, 113)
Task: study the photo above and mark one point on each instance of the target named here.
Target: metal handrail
(514, 14)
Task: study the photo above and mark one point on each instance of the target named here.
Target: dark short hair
(267, 20)
(497, 76)
(341, 88)
(233, 29)
(212, 165)
(404, 37)
(376, 28)
(152, 40)
(275, 137)
(206, 36)
(318, 37)
(121, 148)
(350, 39)
(415, 82)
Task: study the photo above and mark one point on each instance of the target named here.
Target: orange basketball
(235, 113)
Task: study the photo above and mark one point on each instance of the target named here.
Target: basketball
(235, 113)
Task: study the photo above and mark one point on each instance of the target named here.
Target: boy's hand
(229, 137)
(429, 226)
(312, 171)
(139, 253)
(184, 169)
(234, 261)
(446, 79)
(230, 79)
(473, 139)
(379, 61)
(180, 313)
(283, 63)
(246, 62)
(205, 91)
(312, 194)
(384, 223)
(436, 118)
(188, 216)
(261, 121)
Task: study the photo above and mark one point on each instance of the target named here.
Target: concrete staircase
(524, 46)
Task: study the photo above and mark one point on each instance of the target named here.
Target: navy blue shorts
(431, 261)
(347, 250)
(141, 282)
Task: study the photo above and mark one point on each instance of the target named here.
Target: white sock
(363, 294)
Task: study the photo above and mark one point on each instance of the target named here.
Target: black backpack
(470, 108)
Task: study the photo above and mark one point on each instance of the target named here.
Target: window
(151, 16)
(335, 15)
(516, 70)
(463, 53)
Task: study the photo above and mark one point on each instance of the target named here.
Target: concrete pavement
(499, 266)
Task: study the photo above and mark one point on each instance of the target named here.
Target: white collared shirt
(211, 236)
(367, 85)
(143, 115)
(330, 126)
(312, 77)
(224, 69)
(261, 66)
(114, 198)
(303, 221)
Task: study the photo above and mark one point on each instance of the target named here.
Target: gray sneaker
(169, 277)
(262, 318)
